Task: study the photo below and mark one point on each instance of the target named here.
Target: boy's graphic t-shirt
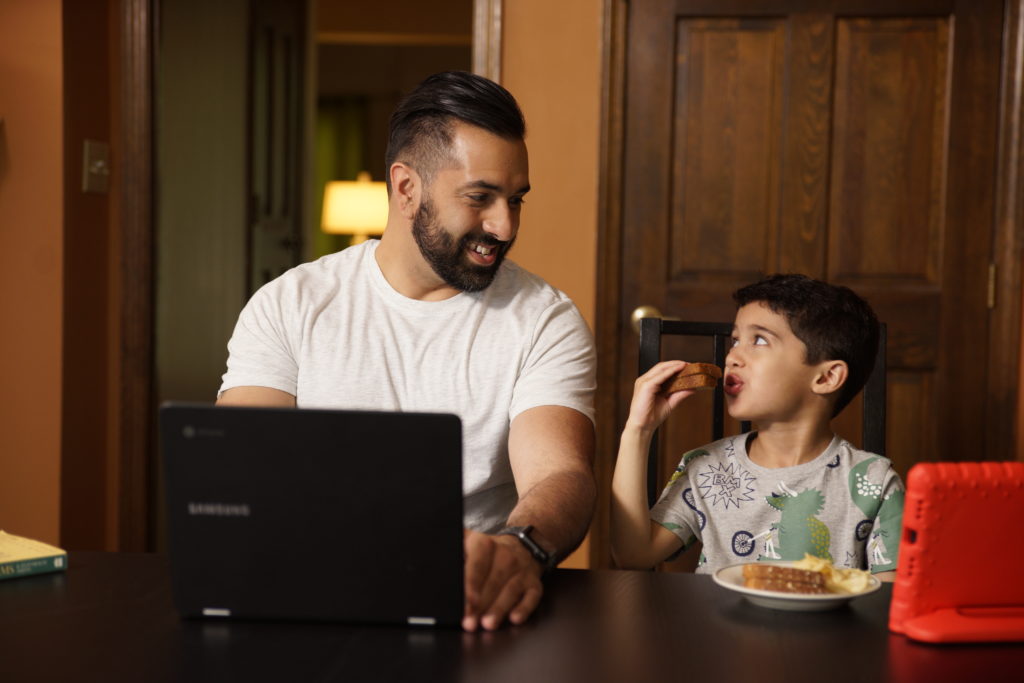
(846, 506)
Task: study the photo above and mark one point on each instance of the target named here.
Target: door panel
(851, 141)
(887, 206)
(909, 403)
(729, 77)
(807, 129)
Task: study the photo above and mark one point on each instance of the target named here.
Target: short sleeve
(261, 351)
(676, 508)
(884, 541)
(559, 365)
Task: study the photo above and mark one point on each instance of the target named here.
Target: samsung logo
(219, 509)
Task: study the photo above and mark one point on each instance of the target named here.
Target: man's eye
(478, 197)
(516, 202)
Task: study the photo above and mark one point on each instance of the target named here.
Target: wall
(551, 62)
(31, 279)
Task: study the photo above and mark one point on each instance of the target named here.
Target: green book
(24, 556)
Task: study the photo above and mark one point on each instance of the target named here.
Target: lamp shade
(355, 207)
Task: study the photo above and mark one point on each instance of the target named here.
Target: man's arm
(551, 450)
(256, 396)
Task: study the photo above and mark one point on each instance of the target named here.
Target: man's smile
(484, 253)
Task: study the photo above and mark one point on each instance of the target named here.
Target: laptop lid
(314, 514)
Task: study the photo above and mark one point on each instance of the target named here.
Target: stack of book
(23, 556)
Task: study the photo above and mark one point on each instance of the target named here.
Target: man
(432, 318)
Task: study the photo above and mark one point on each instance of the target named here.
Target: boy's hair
(420, 131)
(831, 320)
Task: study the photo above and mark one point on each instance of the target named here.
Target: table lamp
(355, 207)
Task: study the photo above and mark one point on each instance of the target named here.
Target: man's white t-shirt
(334, 334)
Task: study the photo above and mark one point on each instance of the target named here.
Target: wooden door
(851, 141)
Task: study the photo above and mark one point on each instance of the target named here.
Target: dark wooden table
(110, 618)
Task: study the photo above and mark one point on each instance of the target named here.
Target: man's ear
(831, 376)
(406, 186)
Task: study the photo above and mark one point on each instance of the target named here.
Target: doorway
(221, 95)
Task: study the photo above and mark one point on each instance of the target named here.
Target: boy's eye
(735, 342)
(760, 341)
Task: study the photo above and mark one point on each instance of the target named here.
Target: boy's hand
(650, 405)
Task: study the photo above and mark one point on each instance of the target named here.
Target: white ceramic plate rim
(731, 577)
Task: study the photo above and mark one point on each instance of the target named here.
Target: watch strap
(543, 557)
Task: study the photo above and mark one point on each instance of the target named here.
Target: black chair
(653, 329)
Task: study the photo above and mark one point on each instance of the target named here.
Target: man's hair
(420, 131)
(831, 320)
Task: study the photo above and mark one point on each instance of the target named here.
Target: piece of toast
(783, 579)
(694, 376)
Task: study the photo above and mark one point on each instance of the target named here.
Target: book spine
(38, 565)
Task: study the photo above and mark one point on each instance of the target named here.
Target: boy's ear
(405, 188)
(831, 376)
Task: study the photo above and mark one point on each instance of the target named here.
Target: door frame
(134, 437)
(1004, 409)
(1003, 374)
(609, 267)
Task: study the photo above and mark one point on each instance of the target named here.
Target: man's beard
(446, 256)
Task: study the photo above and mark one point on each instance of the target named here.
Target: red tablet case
(960, 574)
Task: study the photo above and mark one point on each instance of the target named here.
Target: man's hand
(550, 450)
(502, 579)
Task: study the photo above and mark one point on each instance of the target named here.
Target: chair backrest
(720, 334)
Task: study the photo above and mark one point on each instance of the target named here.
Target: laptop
(959, 576)
(283, 513)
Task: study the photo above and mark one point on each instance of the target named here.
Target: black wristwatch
(546, 559)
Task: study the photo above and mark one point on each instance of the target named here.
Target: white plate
(731, 577)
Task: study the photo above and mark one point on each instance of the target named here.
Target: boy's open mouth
(732, 385)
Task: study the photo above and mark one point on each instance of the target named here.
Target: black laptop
(314, 514)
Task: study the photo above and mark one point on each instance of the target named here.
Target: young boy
(801, 350)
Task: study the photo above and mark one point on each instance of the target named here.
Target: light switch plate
(95, 167)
